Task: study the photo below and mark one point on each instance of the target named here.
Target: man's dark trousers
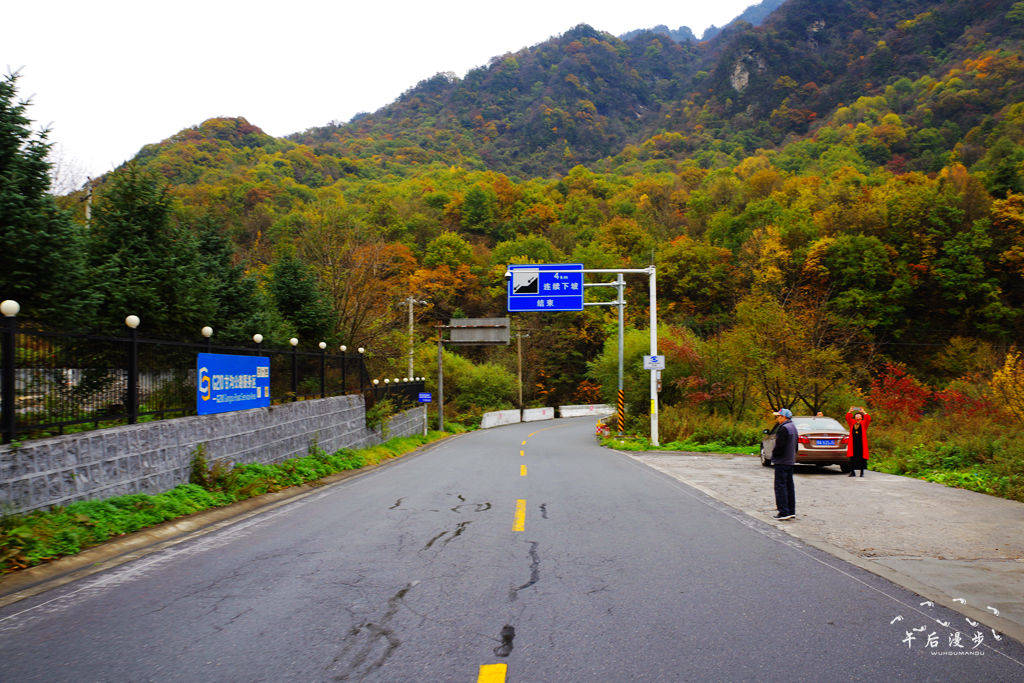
(785, 494)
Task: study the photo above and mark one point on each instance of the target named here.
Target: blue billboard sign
(545, 287)
(225, 383)
(425, 397)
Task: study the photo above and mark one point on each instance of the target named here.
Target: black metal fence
(55, 381)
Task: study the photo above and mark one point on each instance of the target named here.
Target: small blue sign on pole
(225, 383)
(425, 397)
(545, 287)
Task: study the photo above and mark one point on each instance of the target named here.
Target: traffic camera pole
(519, 354)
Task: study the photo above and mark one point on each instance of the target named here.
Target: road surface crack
(435, 538)
(534, 572)
(364, 640)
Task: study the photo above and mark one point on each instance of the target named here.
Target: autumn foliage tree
(1008, 384)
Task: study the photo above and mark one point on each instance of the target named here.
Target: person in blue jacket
(784, 458)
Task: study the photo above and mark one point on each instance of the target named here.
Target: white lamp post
(9, 308)
(132, 321)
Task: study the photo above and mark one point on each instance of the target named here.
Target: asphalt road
(418, 571)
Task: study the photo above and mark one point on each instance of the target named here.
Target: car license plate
(824, 442)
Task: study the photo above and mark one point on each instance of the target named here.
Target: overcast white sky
(111, 76)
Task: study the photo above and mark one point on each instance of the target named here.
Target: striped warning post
(621, 413)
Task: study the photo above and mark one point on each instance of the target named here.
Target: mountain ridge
(587, 97)
(754, 15)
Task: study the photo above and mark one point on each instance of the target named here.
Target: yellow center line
(524, 443)
(520, 522)
(522, 470)
(543, 430)
(522, 452)
(492, 673)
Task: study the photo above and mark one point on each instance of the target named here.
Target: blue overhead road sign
(545, 287)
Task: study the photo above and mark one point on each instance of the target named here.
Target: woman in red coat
(857, 447)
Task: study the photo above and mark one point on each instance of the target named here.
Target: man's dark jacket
(784, 451)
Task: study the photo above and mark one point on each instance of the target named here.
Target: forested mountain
(856, 164)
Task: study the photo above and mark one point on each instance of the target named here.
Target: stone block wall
(157, 456)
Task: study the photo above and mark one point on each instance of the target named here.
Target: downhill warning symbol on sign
(525, 281)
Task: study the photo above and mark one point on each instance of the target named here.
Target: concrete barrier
(535, 414)
(499, 418)
(596, 410)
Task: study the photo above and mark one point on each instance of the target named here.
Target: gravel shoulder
(947, 544)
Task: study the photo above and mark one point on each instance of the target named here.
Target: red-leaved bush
(898, 393)
(958, 404)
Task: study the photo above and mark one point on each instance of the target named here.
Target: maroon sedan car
(822, 442)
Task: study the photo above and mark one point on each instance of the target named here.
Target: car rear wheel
(846, 468)
(767, 462)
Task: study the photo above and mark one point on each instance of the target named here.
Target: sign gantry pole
(542, 287)
(654, 352)
(620, 302)
(620, 395)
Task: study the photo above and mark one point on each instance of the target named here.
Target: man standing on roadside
(783, 458)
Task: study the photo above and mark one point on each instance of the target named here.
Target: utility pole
(410, 300)
(88, 203)
(440, 378)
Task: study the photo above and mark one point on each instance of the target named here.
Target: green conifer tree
(295, 291)
(243, 307)
(42, 264)
(144, 263)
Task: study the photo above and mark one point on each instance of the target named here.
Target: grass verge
(38, 537)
